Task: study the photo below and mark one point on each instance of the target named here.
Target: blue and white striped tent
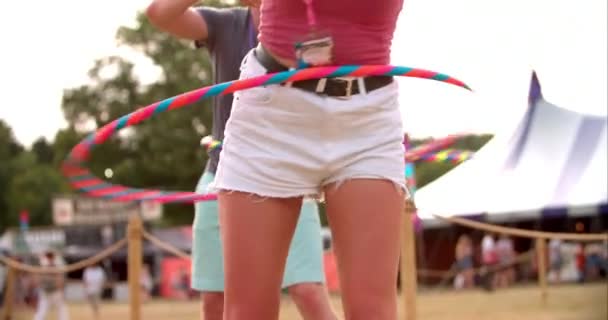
(554, 164)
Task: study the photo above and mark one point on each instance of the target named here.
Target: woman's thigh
(366, 216)
(256, 233)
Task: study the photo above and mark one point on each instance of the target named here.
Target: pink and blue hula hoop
(83, 180)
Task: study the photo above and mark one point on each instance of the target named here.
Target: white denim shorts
(285, 142)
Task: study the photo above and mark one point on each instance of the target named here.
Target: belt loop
(361, 84)
(321, 85)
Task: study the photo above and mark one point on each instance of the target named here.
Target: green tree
(43, 150)
(32, 190)
(9, 149)
(64, 141)
(28, 179)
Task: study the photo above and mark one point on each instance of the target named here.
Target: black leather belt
(333, 87)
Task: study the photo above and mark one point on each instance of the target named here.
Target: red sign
(175, 278)
(24, 216)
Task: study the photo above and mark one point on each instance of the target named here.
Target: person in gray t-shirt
(227, 49)
(229, 34)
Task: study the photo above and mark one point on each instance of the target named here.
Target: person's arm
(178, 18)
(202, 24)
(252, 3)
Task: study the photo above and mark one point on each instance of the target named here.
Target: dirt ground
(568, 302)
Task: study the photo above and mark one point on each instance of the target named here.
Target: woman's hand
(252, 3)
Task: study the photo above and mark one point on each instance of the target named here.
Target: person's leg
(488, 277)
(212, 305)
(499, 278)
(207, 265)
(366, 217)
(43, 306)
(92, 297)
(469, 276)
(304, 274)
(312, 301)
(256, 233)
(495, 275)
(59, 302)
(512, 274)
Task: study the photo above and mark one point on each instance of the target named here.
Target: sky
(491, 45)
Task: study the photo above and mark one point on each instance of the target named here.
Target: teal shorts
(304, 262)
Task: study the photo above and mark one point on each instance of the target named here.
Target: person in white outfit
(94, 279)
(50, 289)
(489, 259)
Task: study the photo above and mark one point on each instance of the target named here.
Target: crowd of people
(595, 261)
(498, 266)
(590, 261)
(496, 262)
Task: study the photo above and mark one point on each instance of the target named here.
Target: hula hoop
(83, 180)
(453, 156)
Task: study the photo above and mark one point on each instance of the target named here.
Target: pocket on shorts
(251, 68)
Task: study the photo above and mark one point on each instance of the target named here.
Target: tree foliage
(9, 149)
(32, 190)
(43, 150)
(28, 180)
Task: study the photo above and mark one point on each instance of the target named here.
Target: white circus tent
(554, 164)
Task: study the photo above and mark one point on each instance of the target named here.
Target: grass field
(572, 302)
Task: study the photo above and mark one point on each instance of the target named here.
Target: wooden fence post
(135, 257)
(9, 294)
(541, 256)
(409, 281)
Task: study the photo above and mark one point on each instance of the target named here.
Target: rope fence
(521, 258)
(165, 246)
(170, 249)
(136, 234)
(19, 266)
(531, 234)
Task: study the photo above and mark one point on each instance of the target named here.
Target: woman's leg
(212, 306)
(366, 217)
(62, 309)
(256, 233)
(304, 275)
(469, 277)
(43, 306)
(312, 301)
